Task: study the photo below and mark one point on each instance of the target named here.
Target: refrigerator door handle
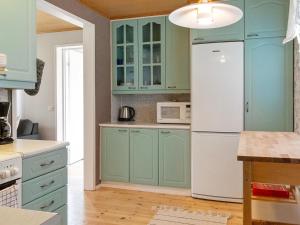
(247, 107)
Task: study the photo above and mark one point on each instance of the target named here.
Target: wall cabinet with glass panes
(144, 62)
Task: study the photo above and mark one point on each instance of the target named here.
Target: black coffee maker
(5, 128)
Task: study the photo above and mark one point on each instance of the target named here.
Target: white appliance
(217, 120)
(10, 179)
(174, 112)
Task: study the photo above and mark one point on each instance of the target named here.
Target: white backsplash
(144, 105)
(3, 95)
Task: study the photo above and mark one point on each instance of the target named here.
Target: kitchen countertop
(15, 216)
(29, 148)
(146, 125)
(277, 147)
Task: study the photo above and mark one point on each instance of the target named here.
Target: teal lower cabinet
(44, 186)
(115, 154)
(268, 85)
(174, 158)
(148, 156)
(144, 156)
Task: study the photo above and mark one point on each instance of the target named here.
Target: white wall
(42, 107)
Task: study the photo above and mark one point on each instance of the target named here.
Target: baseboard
(146, 188)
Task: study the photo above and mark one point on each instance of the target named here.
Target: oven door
(11, 194)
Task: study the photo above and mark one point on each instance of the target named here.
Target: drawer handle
(252, 35)
(47, 206)
(47, 164)
(131, 88)
(47, 185)
(199, 39)
(135, 131)
(165, 132)
(122, 130)
(144, 87)
(171, 86)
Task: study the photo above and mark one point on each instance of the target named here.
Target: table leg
(247, 214)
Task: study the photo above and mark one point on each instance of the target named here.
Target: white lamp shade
(206, 15)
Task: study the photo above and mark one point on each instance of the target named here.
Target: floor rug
(176, 216)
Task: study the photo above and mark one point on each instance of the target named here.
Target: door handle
(199, 39)
(165, 132)
(135, 131)
(171, 87)
(120, 130)
(132, 88)
(47, 164)
(247, 107)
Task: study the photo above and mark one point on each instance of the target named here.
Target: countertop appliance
(126, 113)
(217, 120)
(174, 112)
(5, 128)
(10, 179)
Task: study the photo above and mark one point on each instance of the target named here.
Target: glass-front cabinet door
(125, 55)
(152, 53)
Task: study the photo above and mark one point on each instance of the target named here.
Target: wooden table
(268, 157)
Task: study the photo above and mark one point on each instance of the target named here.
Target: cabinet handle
(47, 164)
(144, 87)
(252, 35)
(131, 88)
(47, 206)
(135, 131)
(247, 107)
(171, 87)
(122, 131)
(165, 132)
(199, 39)
(47, 185)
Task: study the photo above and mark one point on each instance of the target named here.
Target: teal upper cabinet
(177, 57)
(268, 85)
(18, 42)
(125, 55)
(144, 156)
(115, 154)
(266, 18)
(174, 158)
(152, 38)
(234, 32)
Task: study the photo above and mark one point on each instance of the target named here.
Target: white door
(216, 173)
(218, 87)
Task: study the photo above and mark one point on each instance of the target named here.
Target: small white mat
(176, 216)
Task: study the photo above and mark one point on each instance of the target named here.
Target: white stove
(10, 179)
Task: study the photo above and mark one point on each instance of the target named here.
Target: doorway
(70, 124)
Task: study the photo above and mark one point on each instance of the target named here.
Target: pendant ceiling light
(206, 15)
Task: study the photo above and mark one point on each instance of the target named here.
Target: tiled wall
(297, 89)
(144, 105)
(3, 95)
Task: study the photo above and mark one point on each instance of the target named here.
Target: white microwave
(174, 112)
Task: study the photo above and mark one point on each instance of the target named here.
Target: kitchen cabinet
(18, 42)
(144, 156)
(115, 154)
(234, 32)
(152, 53)
(125, 55)
(177, 57)
(45, 179)
(174, 158)
(268, 85)
(266, 18)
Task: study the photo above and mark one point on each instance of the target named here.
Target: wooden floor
(108, 206)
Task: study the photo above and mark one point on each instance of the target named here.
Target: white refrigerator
(217, 120)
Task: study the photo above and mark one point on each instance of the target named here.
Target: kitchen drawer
(49, 202)
(63, 212)
(45, 163)
(43, 185)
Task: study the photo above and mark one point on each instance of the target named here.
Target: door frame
(88, 88)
